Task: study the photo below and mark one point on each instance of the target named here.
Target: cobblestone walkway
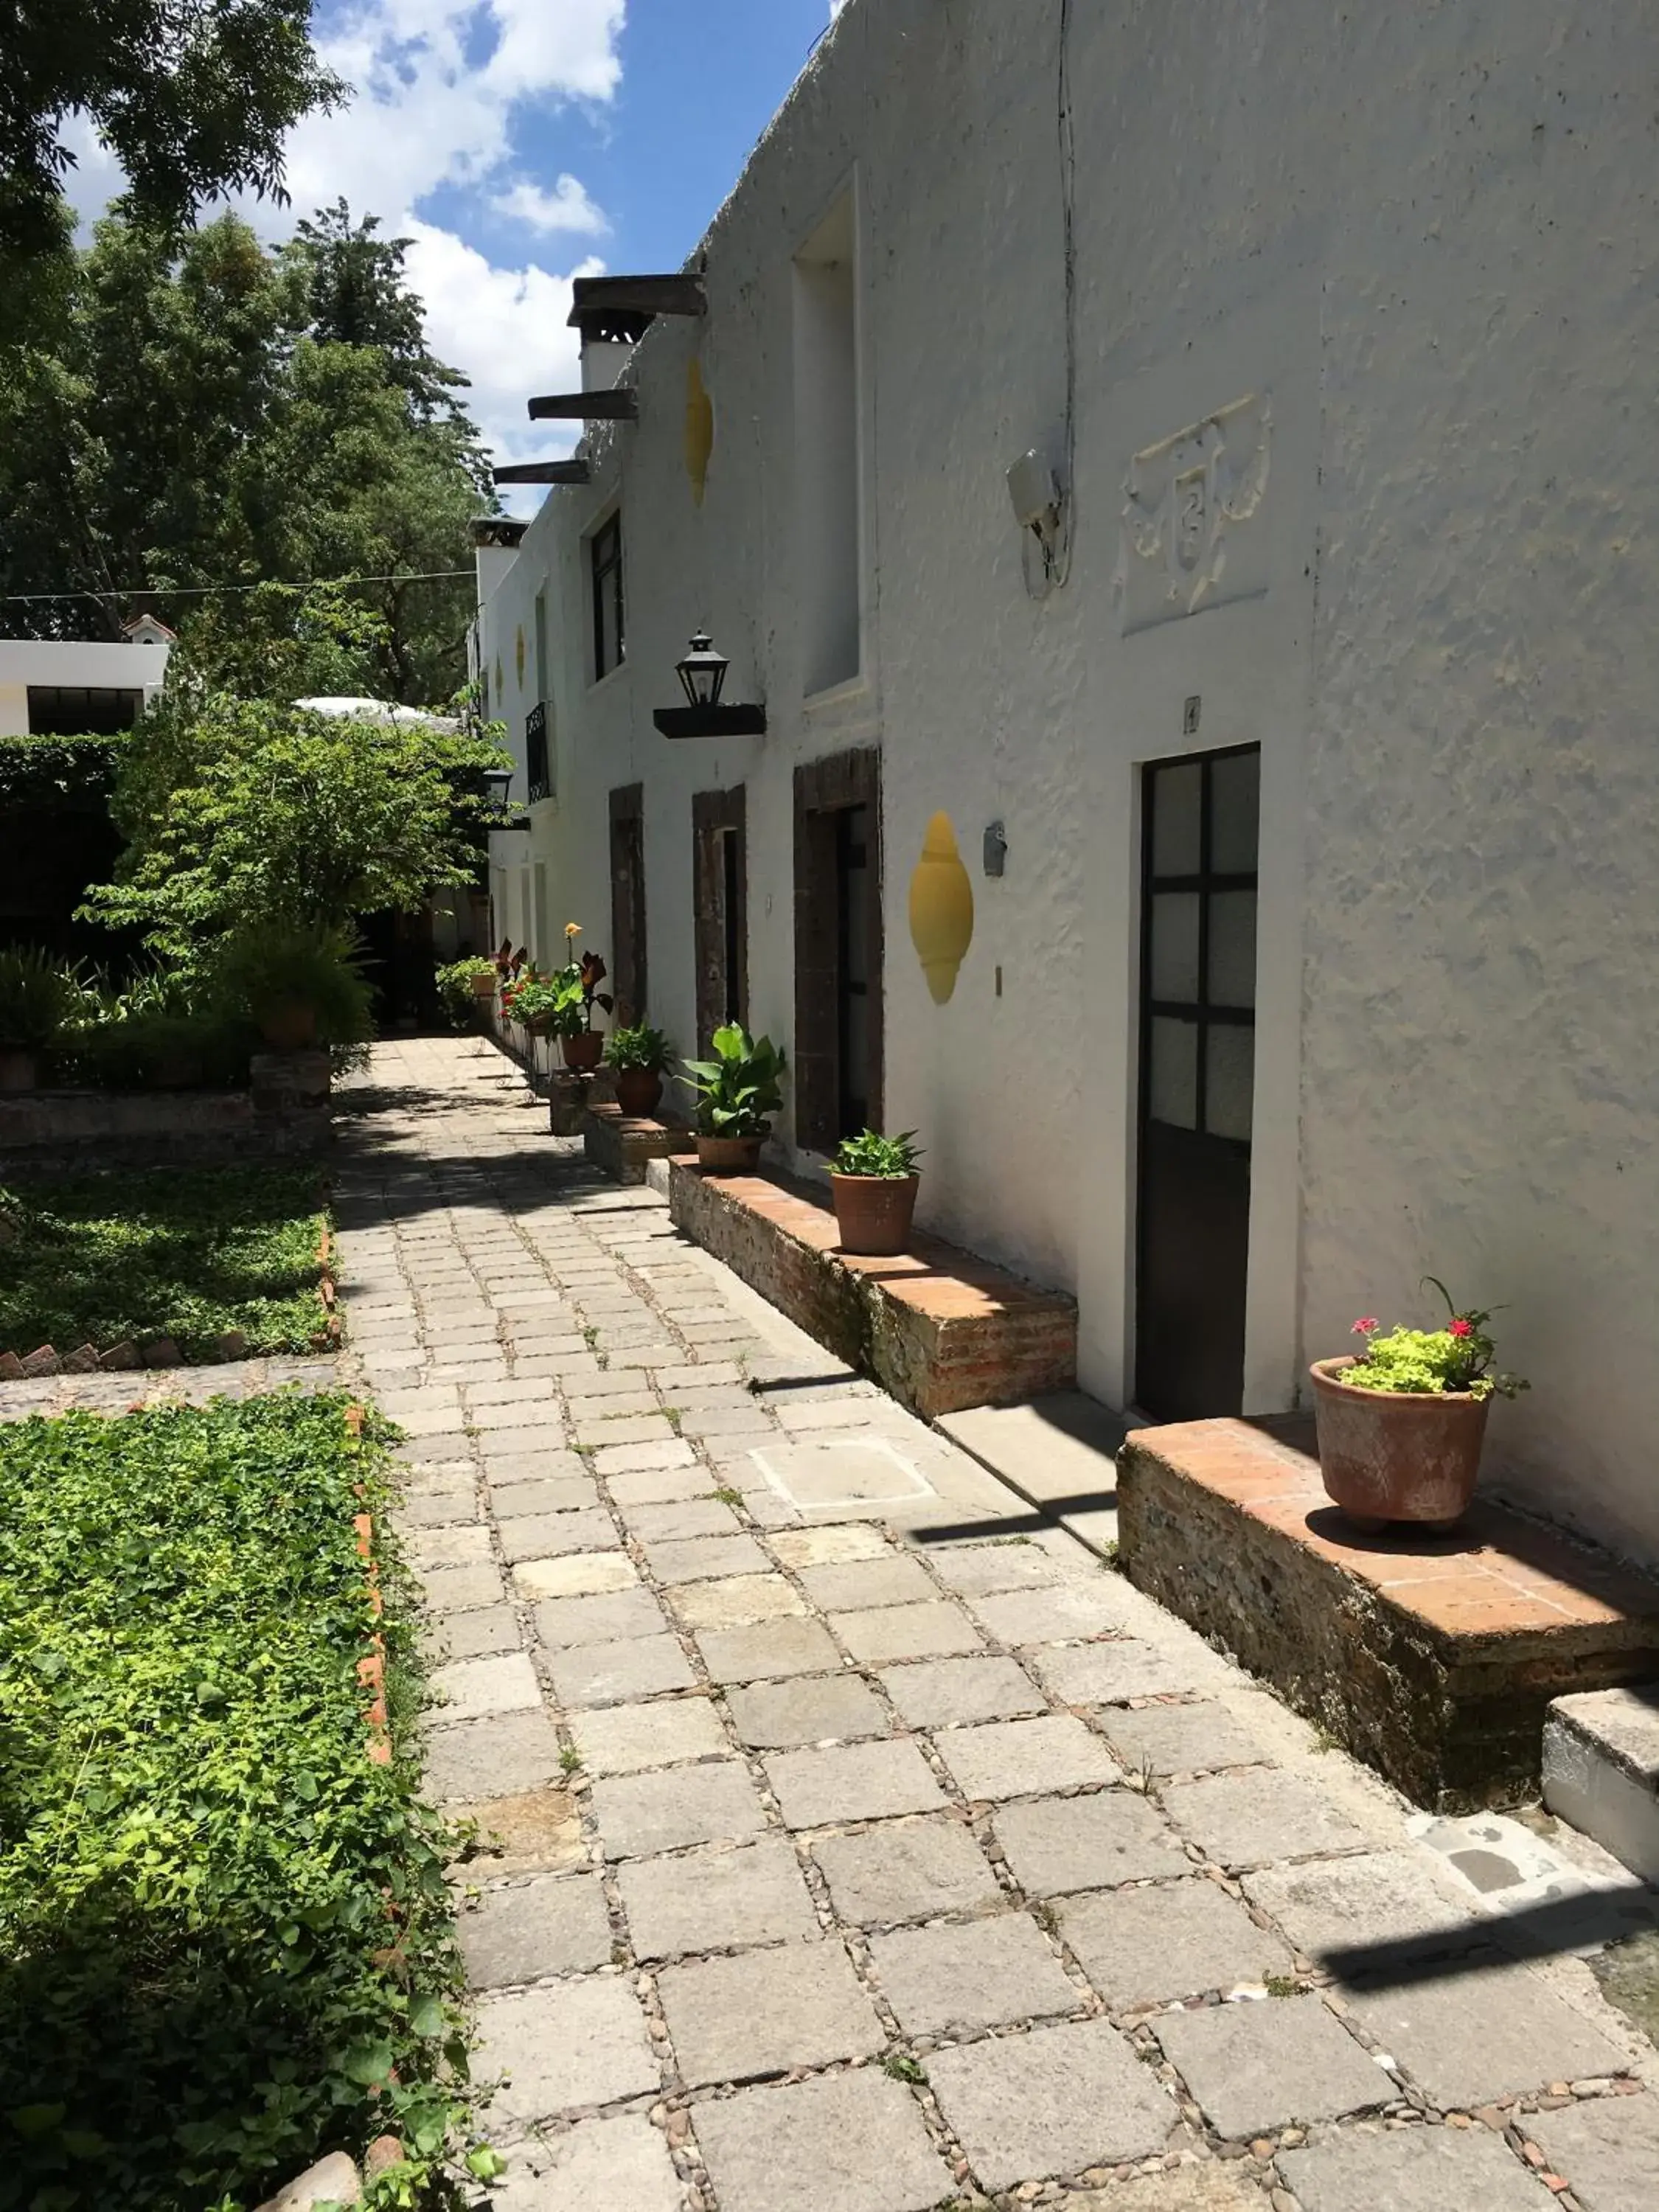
(854, 1844)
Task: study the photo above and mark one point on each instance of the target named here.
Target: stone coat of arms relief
(1186, 502)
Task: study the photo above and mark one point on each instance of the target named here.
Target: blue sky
(520, 142)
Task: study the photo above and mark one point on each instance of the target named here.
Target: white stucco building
(1335, 329)
(76, 687)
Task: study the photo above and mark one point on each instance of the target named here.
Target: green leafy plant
(37, 997)
(1429, 1361)
(109, 1259)
(738, 1090)
(638, 1046)
(313, 965)
(228, 1938)
(868, 1154)
(576, 989)
(456, 990)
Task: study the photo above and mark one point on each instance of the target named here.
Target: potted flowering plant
(576, 987)
(1400, 1424)
(532, 998)
(638, 1054)
(873, 1183)
(737, 1092)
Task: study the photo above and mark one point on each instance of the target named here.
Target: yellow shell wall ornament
(517, 655)
(941, 908)
(699, 428)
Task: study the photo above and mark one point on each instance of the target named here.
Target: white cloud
(567, 207)
(506, 329)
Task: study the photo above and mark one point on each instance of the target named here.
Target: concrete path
(852, 1841)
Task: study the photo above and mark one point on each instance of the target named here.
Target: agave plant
(738, 1089)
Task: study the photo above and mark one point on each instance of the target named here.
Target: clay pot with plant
(874, 1182)
(35, 996)
(737, 1092)
(303, 985)
(1400, 1425)
(637, 1054)
(577, 988)
(466, 989)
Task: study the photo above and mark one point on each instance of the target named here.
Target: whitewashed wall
(1415, 248)
(96, 664)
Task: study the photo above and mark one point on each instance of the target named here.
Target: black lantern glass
(497, 782)
(701, 671)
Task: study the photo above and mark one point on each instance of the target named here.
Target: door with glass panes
(1197, 1081)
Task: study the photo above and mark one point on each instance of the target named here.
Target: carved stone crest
(1184, 501)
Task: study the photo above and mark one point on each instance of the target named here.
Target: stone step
(1602, 1771)
(621, 1143)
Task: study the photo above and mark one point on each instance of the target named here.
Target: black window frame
(605, 568)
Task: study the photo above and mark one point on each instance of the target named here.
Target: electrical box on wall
(995, 849)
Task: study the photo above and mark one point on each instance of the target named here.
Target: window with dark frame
(65, 710)
(606, 558)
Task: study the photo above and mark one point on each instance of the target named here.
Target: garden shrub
(224, 1929)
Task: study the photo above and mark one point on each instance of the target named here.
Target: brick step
(1433, 1658)
(939, 1328)
(1602, 1771)
(621, 1143)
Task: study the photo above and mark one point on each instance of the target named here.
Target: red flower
(1365, 1328)
(1458, 1327)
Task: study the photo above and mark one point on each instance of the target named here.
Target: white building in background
(1302, 758)
(77, 687)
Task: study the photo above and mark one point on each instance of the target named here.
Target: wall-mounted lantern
(497, 782)
(701, 671)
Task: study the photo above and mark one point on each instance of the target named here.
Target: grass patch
(186, 1254)
(222, 1928)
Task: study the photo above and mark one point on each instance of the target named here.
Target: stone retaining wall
(284, 1113)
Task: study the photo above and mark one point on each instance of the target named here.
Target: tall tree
(193, 97)
(201, 412)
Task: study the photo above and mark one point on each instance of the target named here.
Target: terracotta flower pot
(582, 1051)
(639, 1090)
(873, 1212)
(20, 1068)
(290, 1025)
(484, 983)
(540, 1025)
(729, 1155)
(1396, 1455)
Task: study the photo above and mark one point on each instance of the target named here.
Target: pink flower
(1367, 1327)
(1459, 1326)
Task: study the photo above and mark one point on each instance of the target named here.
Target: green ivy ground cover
(189, 1254)
(221, 1926)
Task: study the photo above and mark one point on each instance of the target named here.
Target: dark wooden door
(627, 949)
(838, 1045)
(720, 882)
(1197, 1079)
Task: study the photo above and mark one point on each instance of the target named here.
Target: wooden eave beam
(674, 294)
(543, 472)
(620, 405)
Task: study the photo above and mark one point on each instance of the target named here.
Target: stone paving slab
(564, 2047)
(1369, 2169)
(908, 1869)
(620, 2164)
(852, 1782)
(1608, 2150)
(533, 1929)
(1382, 1897)
(768, 1652)
(846, 2142)
(491, 1758)
(1017, 1759)
(627, 1739)
(956, 1979)
(737, 1601)
(1257, 2067)
(1169, 1740)
(767, 2011)
(1247, 1819)
(955, 1692)
(1053, 1844)
(1496, 2030)
(779, 1716)
(1141, 1947)
(722, 1898)
(619, 1674)
(470, 1689)
(641, 1813)
(608, 1617)
(1056, 2101)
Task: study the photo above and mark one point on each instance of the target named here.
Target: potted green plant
(35, 996)
(534, 1000)
(466, 989)
(638, 1054)
(1402, 1423)
(571, 1017)
(737, 1092)
(302, 984)
(873, 1183)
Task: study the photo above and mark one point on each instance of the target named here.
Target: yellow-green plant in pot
(737, 1092)
(1401, 1425)
(873, 1182)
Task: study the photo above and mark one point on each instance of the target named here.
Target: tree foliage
(192, 97)
(203, 411)
(244, 813)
